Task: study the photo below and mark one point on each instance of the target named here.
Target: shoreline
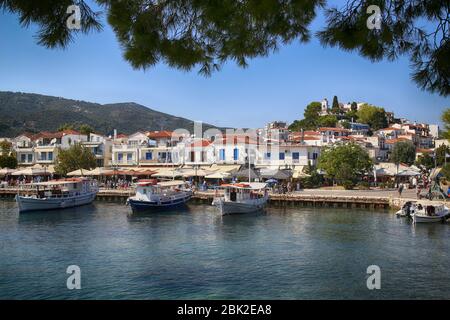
(349, 199)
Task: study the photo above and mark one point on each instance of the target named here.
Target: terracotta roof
(201, 143)
(121, 135)
(392, 141)
(70, 131)
(48, 135)
(159, 134)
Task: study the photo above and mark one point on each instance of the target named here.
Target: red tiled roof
(70, 131)
(159, 134)
(200, 144)
(121, 135)
(392, 141)
(48, 135)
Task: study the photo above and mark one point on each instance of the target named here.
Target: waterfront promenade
(369, 199)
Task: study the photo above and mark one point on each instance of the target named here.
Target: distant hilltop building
(325, 107)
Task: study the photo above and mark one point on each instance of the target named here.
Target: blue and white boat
(153, 195)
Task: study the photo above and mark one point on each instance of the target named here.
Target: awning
(98, 172)
(31, 172)
(269, 173)
(77, 173)
(244, 173)
(408, 173)
(6, 171)
(167, 173)
(219, 175)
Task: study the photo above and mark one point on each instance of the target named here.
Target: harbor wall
(278, 200)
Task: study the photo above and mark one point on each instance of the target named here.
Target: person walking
(400, 190)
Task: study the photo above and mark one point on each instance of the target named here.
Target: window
(236, 154)
(120, 157)
(296, 156)
(30, 157)
(267, 156)
(129, 157)
(23, 157)
(44, 156)
(222, 154)
(149, 156)
(282, 156)
(50, 156)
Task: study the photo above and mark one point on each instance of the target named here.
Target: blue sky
(274, 88)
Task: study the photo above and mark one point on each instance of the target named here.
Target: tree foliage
(373, 116)
(335, 109)
(86, 129)
(187, 34)
(403, 152)
(446, 120)
(8, 161)
(345, 163)
(425, 161)
(311, 118)
(402, 33)
(75, 158)
(327, 121)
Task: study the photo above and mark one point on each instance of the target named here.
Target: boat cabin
(63, 188)
(244, 191)
(145, 189)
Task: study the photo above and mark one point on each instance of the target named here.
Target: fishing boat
(58, 194)
(241, 198)
(154, 195)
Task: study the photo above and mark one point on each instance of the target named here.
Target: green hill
(20, 112)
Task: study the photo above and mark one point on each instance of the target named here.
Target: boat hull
(27, 204)
(428, 219)
(229, 207)
(140, 205)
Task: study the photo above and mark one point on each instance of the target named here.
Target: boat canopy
(57, 182)
(174, 183)
(246, 186)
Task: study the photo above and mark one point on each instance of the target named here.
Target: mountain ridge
(32, 112)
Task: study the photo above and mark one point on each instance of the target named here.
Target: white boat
(242, 198)
(408, 209)
(58, 194)
(154, 195)
(430, 213)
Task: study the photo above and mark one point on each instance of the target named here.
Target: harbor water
(194, 253)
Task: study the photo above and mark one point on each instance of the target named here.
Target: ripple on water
(295, 253)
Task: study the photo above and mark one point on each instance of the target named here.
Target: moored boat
(58, 194)
(154, 195)
(242, 198)
(430, 213)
